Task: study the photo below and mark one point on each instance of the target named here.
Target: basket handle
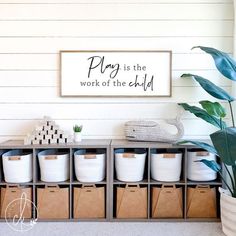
(169, 155)
(202, 154)
(52, 188)
(132, 186)
(14, 158)
(50, 157)
(88, 186)
(202, 188)
(168, 186)
(128, 155)
(12, 186)
(90, 156)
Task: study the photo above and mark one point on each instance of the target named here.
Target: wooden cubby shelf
(110, 182)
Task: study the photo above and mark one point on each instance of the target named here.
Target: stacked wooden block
(47, 132)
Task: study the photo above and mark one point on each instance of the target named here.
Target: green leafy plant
(77, 128)
(223, 140)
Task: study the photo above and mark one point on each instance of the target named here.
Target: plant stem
(234, 173)
(231, 177)
(232, 113)
(221, 123)
(225, 182)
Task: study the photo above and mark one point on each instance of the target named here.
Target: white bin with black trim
(54, 165)
(17, 166)
(198, 171)
(166, 166)
(130, 166)
(90, 165)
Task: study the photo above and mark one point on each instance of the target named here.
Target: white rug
(117, 229)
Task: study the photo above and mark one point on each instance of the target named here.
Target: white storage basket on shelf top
(90, 165)
(130, 166)
(54, 165)
(166, 166)
(198, 171)
(17, 166)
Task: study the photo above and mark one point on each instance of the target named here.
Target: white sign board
(116, 73)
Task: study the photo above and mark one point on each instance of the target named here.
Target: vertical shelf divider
(185, 181)
(71, 186)
(108, 181)
(149, 180)
(111, 183)
(34, 180)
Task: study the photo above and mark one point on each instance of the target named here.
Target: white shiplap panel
(99, 127)
(115, 28)
(54, 45)
(52, 95)
(29, 78)
(192, 62)
(116, 12)
(112, 1)
(29, 61)
(90, 111)
(51, 62)
(51, 78)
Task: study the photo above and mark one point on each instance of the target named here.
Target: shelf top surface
(93, 143)
(84, 143)
(139, 144)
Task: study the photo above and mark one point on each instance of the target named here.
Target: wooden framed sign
(116, 73)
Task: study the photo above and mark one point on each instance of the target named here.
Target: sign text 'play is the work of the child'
(116, 73)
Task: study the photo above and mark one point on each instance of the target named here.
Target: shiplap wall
(32, 32)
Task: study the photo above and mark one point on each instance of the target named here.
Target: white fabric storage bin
(198, 171)
(54, 165)
(90, 166)
(166, 166)
(17, 166)
(129, 166)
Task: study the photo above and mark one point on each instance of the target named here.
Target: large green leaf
(224, 63)
(203, 115)
(211, 164)
(211, 88)
(213, 108)
(202, 145)
(225, 143)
